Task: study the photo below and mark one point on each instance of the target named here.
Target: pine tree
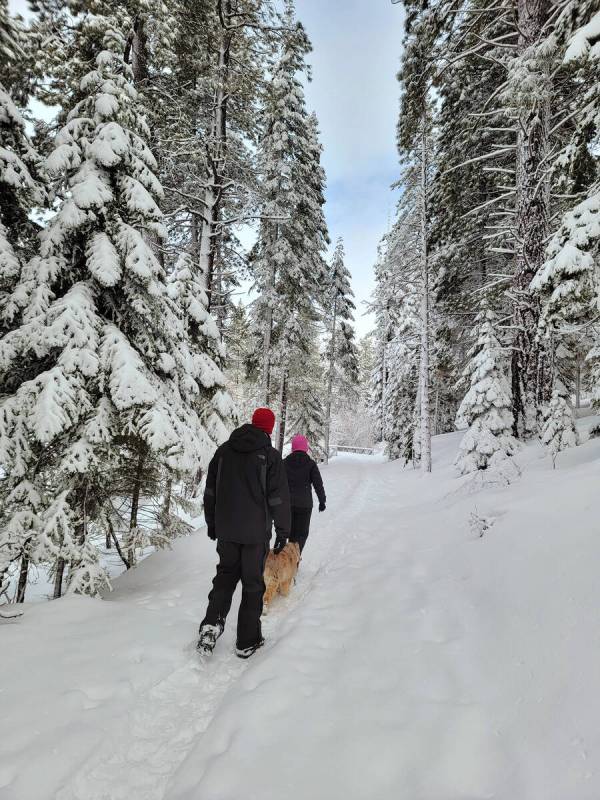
(110, 367)
(289, 265)
(306, 392)
(402, 397)
(20, 187)
(466, 214)
(558, 430)
(238, 340)
(20, 192)
(208, 127)
(569, 280)
(207, 391)
(415, 142)
(486, 408)
(341, 350)
(398, 298)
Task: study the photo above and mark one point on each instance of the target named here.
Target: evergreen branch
(486, 157)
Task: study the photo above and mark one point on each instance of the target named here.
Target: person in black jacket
(303, 476)
(246, 492)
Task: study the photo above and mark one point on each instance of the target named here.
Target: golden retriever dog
(280, 571)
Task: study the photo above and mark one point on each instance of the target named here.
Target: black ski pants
(245, 562)
(300, 525)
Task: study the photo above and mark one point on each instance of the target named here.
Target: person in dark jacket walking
(303, 476)
(246, 492)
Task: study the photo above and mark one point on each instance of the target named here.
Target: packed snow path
(413, 660)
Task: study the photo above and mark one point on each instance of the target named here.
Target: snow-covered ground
(415, 659)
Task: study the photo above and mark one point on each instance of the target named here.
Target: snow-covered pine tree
(307, 416)
(353, 420)
(341, 350)
(20, 187)
(306, 391)
(398, 304)
(239, 365)
(464, 222)
(486, 409)
(20, 192)
(529, 93)
(111, 366)
(403, 382)
(208, 128)
(558, 430)
(416, 146)
(289, 265)
(569, 281)
(211, 400)
(367, 363)
(236, 39)
(380, 305)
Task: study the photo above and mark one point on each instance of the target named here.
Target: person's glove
(321, 506)
(280, 543)
(212, 534)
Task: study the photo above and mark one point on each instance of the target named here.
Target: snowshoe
(246, 652)
(208, 638)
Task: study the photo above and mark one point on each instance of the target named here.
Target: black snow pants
(300, 525)
(245, 562)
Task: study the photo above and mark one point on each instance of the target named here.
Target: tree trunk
(23, 574)
(282, 412)
(58, 578)
(135, 503)
(436, 409)
(578, 384)
(424, 367)
(139, 51)
(117, 545)
(330, 379)
(530, 376)
(218, 295)
(216, 152)
(416, 448)
(267, 334)
(168, 494)
(384, 383)
(61, 563)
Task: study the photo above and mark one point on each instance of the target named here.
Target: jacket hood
(249, 438)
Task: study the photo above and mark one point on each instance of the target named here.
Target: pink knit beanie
(299, 442)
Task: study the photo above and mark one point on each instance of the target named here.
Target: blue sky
(354, 91)
(355, 94)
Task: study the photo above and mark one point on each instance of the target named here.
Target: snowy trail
(413, 659)
(170, 717)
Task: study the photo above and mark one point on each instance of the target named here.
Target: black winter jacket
(303, 474)
(246, 489)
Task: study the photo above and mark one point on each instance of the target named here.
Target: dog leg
(269, 594)
(285, 588)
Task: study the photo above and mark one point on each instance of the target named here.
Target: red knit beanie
(264, 419)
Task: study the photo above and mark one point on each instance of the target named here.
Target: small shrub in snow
(479, 525)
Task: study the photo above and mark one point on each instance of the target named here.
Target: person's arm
(317, 482)
(278, 496)
(210, 496)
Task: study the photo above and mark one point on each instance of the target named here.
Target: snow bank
(441, 643)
